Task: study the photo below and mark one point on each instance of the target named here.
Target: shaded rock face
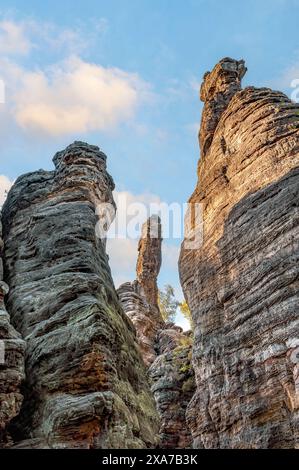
(139, 312)
(12, 350)
(173, 385)
(165, 349)
(242, 282)
(85, 381)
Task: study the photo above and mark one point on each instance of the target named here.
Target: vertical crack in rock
(242, 282)
(165, 348)
(85, 381)
(12, 350)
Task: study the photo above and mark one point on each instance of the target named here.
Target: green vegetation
(167, 303)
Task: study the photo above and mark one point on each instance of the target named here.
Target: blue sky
(140, 63)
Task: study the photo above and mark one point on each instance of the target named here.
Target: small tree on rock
(167, 303)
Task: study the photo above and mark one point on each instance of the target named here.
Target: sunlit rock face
(12, 351)
(241, 283)
(149, 263)
(140, 298)
(86, 384)
(165, 348)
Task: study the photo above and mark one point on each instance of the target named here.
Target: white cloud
(19, 37)
(73, 97)
(14, 38)
(122, 259)
(192, 128)
(123, 250)
(5, 185)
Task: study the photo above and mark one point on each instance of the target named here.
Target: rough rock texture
(242, 282)
(12, 350)
(85, 381)
(139, 312)
(173, 385)
(149, 263)
(165, 349)
(140, 298)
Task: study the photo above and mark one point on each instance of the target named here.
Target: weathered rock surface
(85, 381)
(149, 263)
(12, 350)
(165, 349)
(139, 312)
(173, 385)
(242, 282)
(140, 298)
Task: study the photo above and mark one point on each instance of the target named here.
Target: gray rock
(86, 384)
(12, 351)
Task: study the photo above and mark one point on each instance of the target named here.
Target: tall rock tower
(242, 282)
(140, 298)
(85, 383)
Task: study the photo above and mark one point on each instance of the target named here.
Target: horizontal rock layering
(12, 351)
(242, 282)
(140, 298)
(165, 349)
(173, 385)
(85, 380)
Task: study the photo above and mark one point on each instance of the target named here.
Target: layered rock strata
(165, 348)
(140, 298)
(149, 263)
(173, 385)
(139, 312)
(12, 350)
(242, 282)
(85, 380)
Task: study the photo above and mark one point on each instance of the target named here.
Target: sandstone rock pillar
(241, 284)
(86, 384)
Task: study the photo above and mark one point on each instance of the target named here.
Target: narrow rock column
(140, 298)
(149, 263)
(12, 349)
(165, 348)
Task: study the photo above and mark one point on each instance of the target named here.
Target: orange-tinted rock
(165, 348)
(149, 263)
(242, 282)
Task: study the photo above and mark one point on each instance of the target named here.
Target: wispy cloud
(20, 37)
(123, 250)
(14, 39)
(76, 97)
(71, 96)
